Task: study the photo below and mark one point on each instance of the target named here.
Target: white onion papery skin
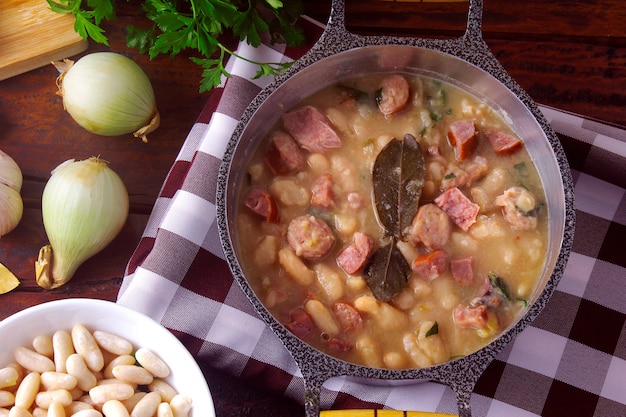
(84, 207)
(12, 209)
(108, 94)
(11, 203)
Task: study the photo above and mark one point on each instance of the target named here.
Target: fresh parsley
(196, 25)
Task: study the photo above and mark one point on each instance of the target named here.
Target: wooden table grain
(568, 54)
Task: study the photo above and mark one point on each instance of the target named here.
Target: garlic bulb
(11, 204)
(84, 206)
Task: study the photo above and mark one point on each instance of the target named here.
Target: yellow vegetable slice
(381, 413)
(8, 281)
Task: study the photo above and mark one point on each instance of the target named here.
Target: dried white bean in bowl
(86, 373)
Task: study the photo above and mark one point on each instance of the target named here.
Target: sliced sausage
(310, 237)
(503, 143)
(518, 205)
(431, 226)
(458, 207)
(348, 317)
(322, 192)
(300, 323)
(430, 265)
(336, 344)
(469, 317)
(262, 203)
(284, 155)
(393, 95)
(353, 257)
(463, 136)
(310, 128)
(463, 271)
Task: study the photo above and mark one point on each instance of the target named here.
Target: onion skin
(84, 207)
(108, 94)
(11, 204)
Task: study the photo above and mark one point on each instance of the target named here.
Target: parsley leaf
(196, 25)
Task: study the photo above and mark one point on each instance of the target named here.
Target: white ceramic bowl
(44, 319)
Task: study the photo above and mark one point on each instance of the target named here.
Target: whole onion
(84, 206)
(108, 94)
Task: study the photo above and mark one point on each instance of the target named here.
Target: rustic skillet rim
(460, 374)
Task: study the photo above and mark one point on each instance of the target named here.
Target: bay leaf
(8, 281)
(398, 179)
(386, 272)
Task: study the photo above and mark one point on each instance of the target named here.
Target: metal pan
(465, 62)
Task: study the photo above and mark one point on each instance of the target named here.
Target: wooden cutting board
(31, 36)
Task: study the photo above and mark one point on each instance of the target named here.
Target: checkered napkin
(570, 361)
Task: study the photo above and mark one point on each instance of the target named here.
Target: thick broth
(443, 311)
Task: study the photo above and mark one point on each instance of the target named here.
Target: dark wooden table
(566, 54)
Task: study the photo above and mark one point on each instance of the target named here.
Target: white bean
(77, 406)
(32, 360)
(322, 317)
(152, 362)
(411, 347)
(147, 406)
(87, 347)
(7, 398)
(181, 405)
(43, 345)
(330, 282)
(63, 348)
(113, 343)
(368, 350)
(114, 408)
(87, 413)
(58, 380)
(163, 388)
(100, 394)
(133, 374)
(44, 399)
(4, 412)
(77, 367)
(164, 410)
(39, 412)
(120, 360)
(56, 410)
(19, 412)
(294, 266)
(132, 402)
(26, 392)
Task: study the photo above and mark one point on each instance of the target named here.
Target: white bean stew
(393, 221)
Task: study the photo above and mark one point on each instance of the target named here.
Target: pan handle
(473, 31)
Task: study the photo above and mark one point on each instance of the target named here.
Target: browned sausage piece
(284, 155)
(431, 265)
(431, 226)
(310, 237)
(348, 317)
(503, 143)
(459, 208)
(309, 128)
(353, 257)
(469, 317)
(322, 192)
(394, 94)
(262, 203)
(462, 271)
(463, 135)
(300, 323)
(336, 344)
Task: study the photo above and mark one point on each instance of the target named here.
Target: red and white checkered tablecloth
(575, 349)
